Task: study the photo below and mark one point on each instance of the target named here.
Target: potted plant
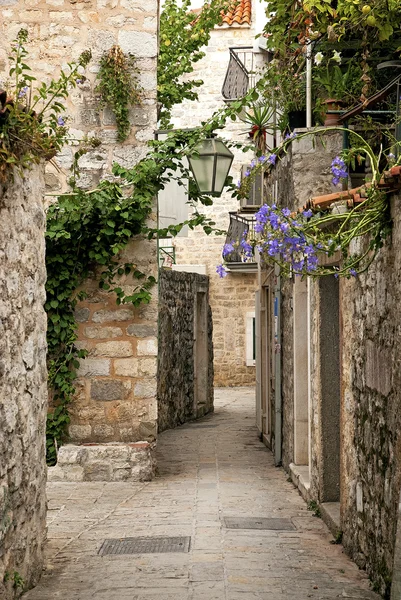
(260, 118)
(335, 86)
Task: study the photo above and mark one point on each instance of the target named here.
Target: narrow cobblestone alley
(208, 471)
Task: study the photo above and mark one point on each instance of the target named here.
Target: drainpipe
(277, 368)
(309, 84)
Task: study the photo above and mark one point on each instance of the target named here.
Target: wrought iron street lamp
(210, 166)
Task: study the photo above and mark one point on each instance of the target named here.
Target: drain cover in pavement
(258, 523)
(145, 545)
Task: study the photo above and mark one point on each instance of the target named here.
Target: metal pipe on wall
(277, 369)
(309, 84)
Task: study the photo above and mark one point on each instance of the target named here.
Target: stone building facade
(231, 298)
(116, 398)
(185, 371)
(339, 352)
(23, 383)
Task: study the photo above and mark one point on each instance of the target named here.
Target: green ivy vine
(183, 36)
(118, 87)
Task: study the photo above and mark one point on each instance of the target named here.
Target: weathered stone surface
(23, 380)
(145, 389)
(108, 389)
(138, 330)
(126, 367)
(103, 332)
(93, 366)
(138, 42)
(81, 314)
(105, 462)
(107, 316)
(181, 395)
(113, 349)
(147, 348)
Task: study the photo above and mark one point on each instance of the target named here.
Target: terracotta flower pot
(332, 104)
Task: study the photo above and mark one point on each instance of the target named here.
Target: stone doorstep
(300, 478)
(132, 461)
(330, 512)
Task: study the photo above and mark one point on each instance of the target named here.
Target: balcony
(241, 227)
(240, 76)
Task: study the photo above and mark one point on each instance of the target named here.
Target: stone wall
(23, 381)
(355, 421)
(116, 390)
(116, 399)
(59, 30)
(371, 419)
(185, 370)
(232, 297)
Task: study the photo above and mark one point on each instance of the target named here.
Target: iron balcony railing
(240, 76)
(240, 228)
(166, 256)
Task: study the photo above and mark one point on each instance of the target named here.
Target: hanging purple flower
(23, 92)
(228, 249)
(262, 158)
(353, 272)
(339, 170)
(60, 122)
(286, 212)
(307, 214)
(221, 271)
(272, 159)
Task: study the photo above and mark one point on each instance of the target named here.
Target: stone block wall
(185, 370)
(23, 381)
(116, 399)
(371, 419)
(232, 297)
(59, 31)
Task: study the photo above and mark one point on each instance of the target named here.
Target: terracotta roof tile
(390, 183)
(239, 14)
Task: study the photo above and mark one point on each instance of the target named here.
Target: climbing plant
(33, 125)
(86, 232)
(183, 36)
(118, 87)
(300, 241)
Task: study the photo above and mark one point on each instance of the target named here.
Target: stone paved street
(209, 470)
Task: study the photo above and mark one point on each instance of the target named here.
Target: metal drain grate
(145, 545)
(275, 524)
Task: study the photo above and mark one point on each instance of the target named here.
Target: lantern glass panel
(223, 167)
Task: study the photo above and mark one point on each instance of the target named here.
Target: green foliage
(86, 232)
(32, 121)
(118, 87)
(338, 538)
(294, 21)
(16, 578)
(296, 242)
(313, 506)
(183, 35)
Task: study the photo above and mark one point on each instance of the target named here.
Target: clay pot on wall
(332, 119)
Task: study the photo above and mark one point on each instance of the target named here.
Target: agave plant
(261, 120)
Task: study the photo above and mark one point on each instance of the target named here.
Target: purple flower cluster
(246, 247)
(23, 92)
(227, 249)
(221, 271)
(284, 238)
(339, 170)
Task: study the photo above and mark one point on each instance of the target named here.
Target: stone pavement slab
(207, 471)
